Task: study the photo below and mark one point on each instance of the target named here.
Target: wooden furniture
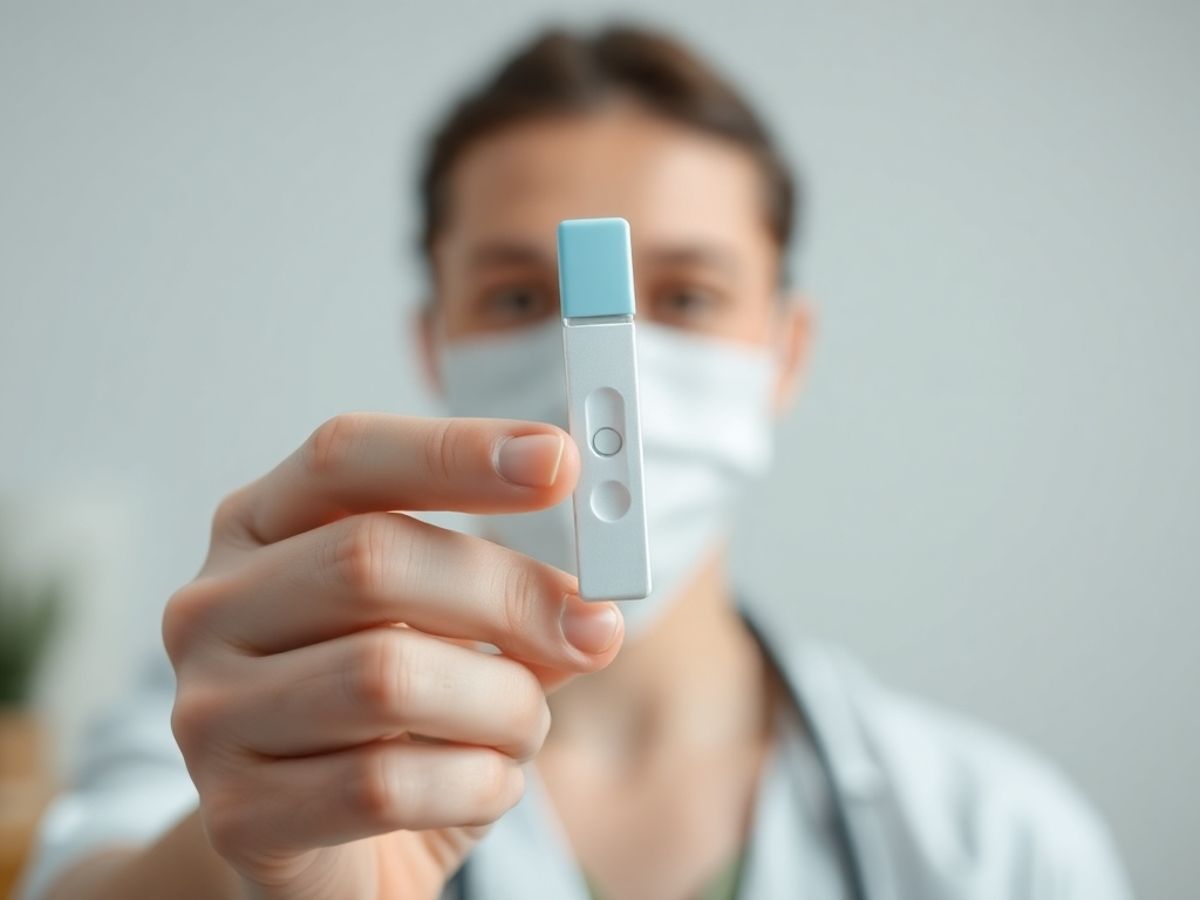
(25, 789)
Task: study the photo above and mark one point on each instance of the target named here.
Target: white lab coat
(937, 807)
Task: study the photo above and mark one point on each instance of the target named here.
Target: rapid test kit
(595, 271)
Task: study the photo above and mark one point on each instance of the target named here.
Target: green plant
(29, 614)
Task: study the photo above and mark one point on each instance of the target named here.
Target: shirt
(792, 839)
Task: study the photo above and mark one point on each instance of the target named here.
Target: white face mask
(707, 429)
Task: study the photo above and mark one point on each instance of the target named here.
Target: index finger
(372, 462)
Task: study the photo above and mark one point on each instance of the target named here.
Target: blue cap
(595, 268)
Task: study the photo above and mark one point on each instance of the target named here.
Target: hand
(347, 735)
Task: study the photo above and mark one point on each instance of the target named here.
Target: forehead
(674, 184)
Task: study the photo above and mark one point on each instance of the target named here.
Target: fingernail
(591, 628)
(531, 460)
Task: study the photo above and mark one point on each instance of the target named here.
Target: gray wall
(989, 489)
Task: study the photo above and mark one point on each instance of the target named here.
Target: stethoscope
(851, 860)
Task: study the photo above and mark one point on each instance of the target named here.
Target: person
(362, 700)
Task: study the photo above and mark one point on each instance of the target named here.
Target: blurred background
(989, 491)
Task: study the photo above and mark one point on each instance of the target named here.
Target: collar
(821, 682)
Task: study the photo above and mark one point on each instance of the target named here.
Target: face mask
(707, 430)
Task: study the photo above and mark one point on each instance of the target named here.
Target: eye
(685, 303)
(516, 303)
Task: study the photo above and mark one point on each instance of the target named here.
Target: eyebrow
(500, 252)
(491, 253)
(712, 256)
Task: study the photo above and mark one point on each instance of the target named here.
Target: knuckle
(185, 615)
(333, 442)
(229, 512)
(441, 447)
(519, 606)
(495, 785)
(374, 791)
(361, 556)
(380, 677)
(226, 823)
(175, 627)
(531, 713)
(193, 717)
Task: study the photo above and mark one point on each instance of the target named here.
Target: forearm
(180, 864)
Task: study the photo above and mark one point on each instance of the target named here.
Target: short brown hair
(562, 72)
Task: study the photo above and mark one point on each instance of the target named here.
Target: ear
(423, 331)
(795, 329)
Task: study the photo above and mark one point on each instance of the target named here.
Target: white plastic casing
(603, 416)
